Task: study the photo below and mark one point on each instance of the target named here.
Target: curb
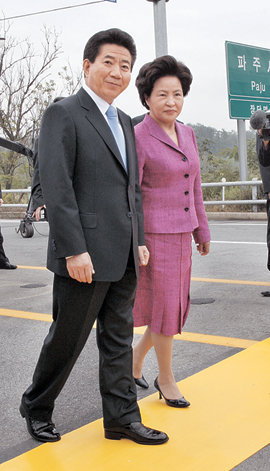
(233, 216)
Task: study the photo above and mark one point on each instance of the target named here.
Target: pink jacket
(170, 181)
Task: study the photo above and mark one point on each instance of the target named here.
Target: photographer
(260, 121)
(263, 153)
(263, 148)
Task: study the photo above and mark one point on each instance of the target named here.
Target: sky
(196, 33)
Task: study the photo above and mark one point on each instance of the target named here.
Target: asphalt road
(238, 252)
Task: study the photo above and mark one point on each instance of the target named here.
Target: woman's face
(166, 100)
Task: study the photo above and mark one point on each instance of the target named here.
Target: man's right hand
(80, 267)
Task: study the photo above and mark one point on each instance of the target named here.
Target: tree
(25, 91)
(252, 159)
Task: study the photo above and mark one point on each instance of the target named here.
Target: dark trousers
(3, 257)
(75, 308)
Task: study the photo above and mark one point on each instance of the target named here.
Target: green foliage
(225, 164)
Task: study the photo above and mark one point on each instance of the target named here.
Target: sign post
(248, 78)
(160, 27)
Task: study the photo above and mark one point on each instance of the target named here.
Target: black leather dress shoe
(138, 433)
(7, 266)
(266, 294)
(141, 382)
(43, 431)
(171, 402)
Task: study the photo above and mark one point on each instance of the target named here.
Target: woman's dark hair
(160, 67)
(109, 36)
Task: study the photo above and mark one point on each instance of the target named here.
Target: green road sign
(248, 78)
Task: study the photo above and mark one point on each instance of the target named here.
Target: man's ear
(86, 66)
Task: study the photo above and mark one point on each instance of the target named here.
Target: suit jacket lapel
(95, 117)
(157, 132)
(183, 139)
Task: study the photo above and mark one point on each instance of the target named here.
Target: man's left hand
(143, 255)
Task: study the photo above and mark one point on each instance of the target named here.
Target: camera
(261, 120)
(43, 214)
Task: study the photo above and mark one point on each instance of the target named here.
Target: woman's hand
(203, 248)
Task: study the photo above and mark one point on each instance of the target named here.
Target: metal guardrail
(223, 184)
(254, 183)
(20, 148)
(16, 205)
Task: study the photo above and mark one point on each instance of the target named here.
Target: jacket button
(129, 214)
(186, 209)
(184, 159)
(187, 192)
(186, 175)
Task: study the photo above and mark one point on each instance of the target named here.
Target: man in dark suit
(89, 179)
(4, 261)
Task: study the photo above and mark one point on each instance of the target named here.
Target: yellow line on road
(26, 267)
(215, 340)
(193, 278)
(35, 316)
(231, 282)
(228, 421)
(209, 339)
(185, 336)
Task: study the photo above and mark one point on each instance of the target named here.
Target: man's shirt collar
(101, 104)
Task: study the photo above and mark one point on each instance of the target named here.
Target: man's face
(110, 74)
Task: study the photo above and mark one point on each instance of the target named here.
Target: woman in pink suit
(173, 211)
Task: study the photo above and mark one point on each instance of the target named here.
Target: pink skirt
(162, 299)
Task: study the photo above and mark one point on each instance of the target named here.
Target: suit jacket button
(186, 175)
(186, 192)
(129, 214)
(186, 209)
(184, 159)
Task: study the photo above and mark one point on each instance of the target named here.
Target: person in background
(37, 200)
(263, 148)
(89, 178)
(263, 153)
(4, 261)
(169, 170)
